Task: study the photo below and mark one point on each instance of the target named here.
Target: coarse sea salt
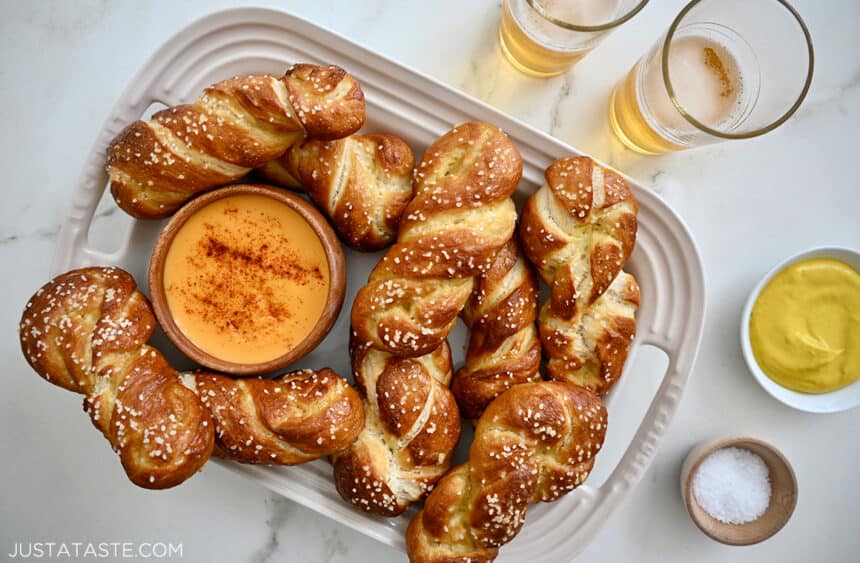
(732, 485)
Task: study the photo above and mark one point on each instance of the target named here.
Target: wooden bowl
(782, 500)
(334, 300)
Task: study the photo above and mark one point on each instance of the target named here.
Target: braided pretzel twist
(295, 418)
(411, 429)
(86, 330)
(156, 166)
(504, 349)
(579, 230)
(534, 443)
(537, 441)
(460, 217)
(362, 183)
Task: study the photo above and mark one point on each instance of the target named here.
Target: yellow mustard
(805, 326)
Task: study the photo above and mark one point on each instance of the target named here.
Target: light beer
(707, 82)
(539, 47)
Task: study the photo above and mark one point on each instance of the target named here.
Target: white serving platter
(419, 109)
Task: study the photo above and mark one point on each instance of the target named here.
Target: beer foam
(579, 12)
(706, 78)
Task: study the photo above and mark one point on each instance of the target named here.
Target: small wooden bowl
(782, 500)
(334, 301)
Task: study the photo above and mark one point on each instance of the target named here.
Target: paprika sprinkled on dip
(246, 279)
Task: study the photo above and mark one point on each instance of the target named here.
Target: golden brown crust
(411, 428)
(236, 125)
(461, 215)
(295, 418)
(535, 442)
(504, 349)
(591, 348)
(86, 331)
(362, 183)
(327, 100)
(582, 221)
(154, 417)
(579, 230)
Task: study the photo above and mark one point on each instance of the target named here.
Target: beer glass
(546, 37)
(726, 69)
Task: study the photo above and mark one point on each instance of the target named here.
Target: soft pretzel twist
(362, 183)
(295, 418)
(155, 166)
(579, 230)
(86, 331)
(590, 348)
(504, 349)
(411, 429)
(461, 215)
(534, 443)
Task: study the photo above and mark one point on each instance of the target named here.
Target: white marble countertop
(748, 203)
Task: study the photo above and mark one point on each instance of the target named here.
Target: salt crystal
(733, 485)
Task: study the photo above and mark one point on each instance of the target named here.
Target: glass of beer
(546, 37)
(726, 69)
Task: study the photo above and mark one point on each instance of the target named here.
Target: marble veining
(838, 95)
(555, 118)
(748, 203)
(281, 510)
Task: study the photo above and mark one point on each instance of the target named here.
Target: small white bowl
(834, 401)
